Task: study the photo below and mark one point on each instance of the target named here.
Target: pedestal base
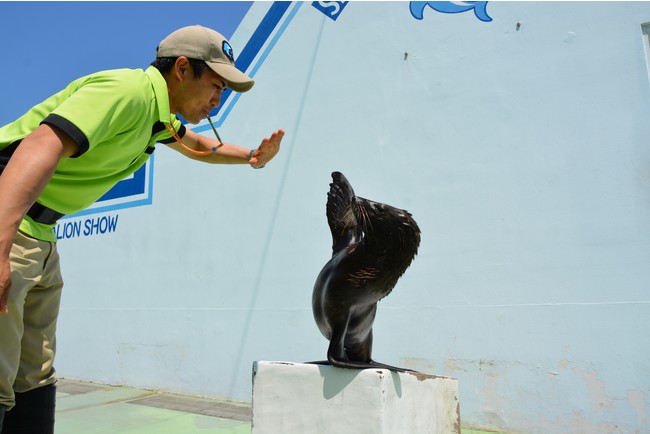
(317, 399)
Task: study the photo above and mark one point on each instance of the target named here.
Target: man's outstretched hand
(267, 150)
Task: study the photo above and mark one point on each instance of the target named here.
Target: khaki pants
(27, 332)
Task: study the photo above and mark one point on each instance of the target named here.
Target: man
(63, 155)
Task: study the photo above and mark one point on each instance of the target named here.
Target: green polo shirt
(115, 117)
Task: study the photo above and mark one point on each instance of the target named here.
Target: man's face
(197, 96)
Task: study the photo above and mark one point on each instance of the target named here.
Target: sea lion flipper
(339, 199)
(336, 351)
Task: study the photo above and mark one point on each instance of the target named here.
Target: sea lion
(373, 244)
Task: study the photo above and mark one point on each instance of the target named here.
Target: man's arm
(22, 181)
(228, 153)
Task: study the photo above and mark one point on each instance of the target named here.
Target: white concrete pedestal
(300, 398)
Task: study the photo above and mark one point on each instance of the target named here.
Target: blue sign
(330, 9)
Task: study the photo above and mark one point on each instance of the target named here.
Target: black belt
(43, 214)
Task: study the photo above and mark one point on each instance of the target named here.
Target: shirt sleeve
(165, 137)
(100, 107)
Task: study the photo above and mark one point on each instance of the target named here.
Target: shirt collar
(162, 95)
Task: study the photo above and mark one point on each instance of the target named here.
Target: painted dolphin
(480, 9)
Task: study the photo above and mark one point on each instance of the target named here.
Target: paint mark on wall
(637, 400)
(596, 390)
(494, 405)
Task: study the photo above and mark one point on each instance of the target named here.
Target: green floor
(99, 409)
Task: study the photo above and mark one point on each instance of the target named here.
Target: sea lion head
(385, 222)
(374, 222)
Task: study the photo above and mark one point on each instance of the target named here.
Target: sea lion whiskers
(366, 222)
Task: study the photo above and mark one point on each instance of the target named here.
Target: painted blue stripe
(263, 58)
(255, 43)
(127, 187)
(276, 38)
(111, 208)
(124, 205)
(116, 207)
(254, 70)
(261, 34)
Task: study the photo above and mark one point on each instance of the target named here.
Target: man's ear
(182, 68)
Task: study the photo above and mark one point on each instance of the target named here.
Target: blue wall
(520, 145)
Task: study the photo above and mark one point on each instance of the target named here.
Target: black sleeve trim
(6, 154)
(71, 130)
(181, 134)
(158, 127)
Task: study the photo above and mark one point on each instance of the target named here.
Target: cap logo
(227, 50)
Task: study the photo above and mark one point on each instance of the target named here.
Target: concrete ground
(89, 408)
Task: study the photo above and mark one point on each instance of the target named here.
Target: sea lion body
(373, 244)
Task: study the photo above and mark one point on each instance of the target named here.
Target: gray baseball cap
(198, 42)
